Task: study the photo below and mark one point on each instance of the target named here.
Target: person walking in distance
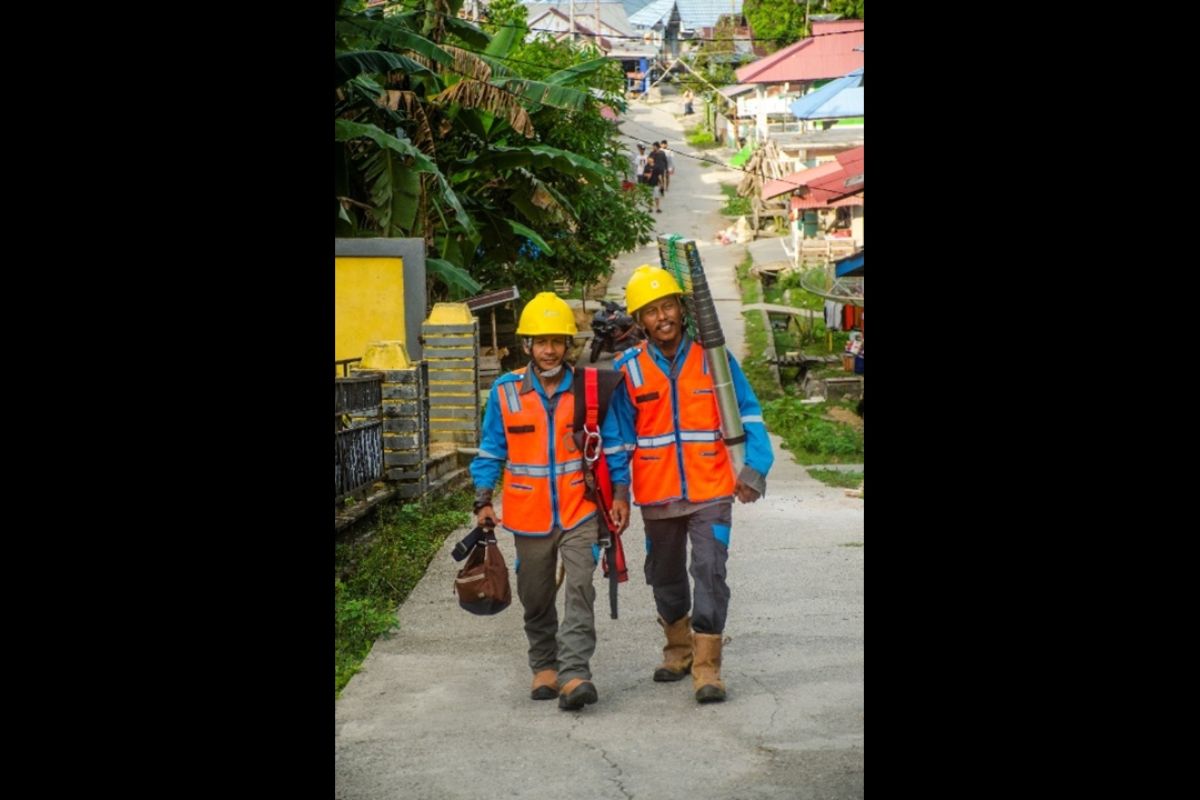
(658, 173)
(683, 478)
(670, 164)
(529, 425)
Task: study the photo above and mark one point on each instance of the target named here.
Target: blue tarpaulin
(841, 97)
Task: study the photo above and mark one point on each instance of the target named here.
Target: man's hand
(746, 493)
(620, 514)
(486, 516)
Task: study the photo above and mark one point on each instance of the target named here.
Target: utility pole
(572, 21)
(597, 42)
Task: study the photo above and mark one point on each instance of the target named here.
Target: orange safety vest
(528, 500)
(707, 471)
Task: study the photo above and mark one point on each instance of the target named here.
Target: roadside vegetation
(814, 433)
(701, 139)
(492, 149)
(833, 477)
(810, 432)
(734, 206)
(375, 572)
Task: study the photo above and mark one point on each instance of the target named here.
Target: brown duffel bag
(482, 583)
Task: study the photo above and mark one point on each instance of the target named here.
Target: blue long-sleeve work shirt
(759, 456)
(493, 444)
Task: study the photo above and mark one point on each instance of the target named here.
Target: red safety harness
(599, 484)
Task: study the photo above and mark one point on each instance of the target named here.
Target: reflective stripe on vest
(655, 463)
(528, 501)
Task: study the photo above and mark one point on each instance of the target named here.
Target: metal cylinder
(731, 420)
(712, 339)
(708, 326)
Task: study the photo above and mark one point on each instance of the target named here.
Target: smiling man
(529, 425)
(683, 478)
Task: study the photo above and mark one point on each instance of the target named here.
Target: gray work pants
(567, 647)
(667, 569)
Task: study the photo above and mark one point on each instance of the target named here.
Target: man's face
(663, 320)
(548, 351)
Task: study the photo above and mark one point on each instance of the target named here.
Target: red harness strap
(597, 469)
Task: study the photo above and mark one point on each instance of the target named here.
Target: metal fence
(357, 434)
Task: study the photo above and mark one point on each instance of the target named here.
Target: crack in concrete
(620, 774)
(603, 754)
(762, 736)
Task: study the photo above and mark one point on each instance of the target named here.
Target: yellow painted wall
(368, 303)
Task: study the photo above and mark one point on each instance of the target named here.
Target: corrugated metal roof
(633, 6)
(650, 15)
(803, 203)
(850, 179)
(837, 136)
(702, 13)
(778, 186)
(827, 184)
(735, 90)
(829, 53)
(692, 13)
(612, 14)
(853, 159)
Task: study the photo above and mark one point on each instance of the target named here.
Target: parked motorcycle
(613, 330)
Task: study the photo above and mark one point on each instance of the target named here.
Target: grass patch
(811, 439)
(747, 282)
(701, 139)
(755, 366)
(734, 206)
(373, 575)
(758, 371)
(833, 477)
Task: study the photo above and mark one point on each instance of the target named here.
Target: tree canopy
(491, 150)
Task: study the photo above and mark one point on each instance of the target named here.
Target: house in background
(733, 124)
(802, 149)
(834, 49)
(612, 34)
(674, 21)
(826, 206)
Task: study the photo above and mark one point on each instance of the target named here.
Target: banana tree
(434, 138)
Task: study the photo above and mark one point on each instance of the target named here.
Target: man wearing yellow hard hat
(528, 424)
(682, 476)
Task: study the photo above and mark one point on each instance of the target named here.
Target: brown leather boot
(576, 693)
(545, 685)
(677, 655)
(706, 671)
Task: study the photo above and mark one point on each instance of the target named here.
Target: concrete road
(441, 708)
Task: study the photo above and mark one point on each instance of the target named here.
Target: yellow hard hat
(547, 315)
(647, 285)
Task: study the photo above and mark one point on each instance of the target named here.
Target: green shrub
(701, 139)
(373, 575)
(734, 206)
(811, 439)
